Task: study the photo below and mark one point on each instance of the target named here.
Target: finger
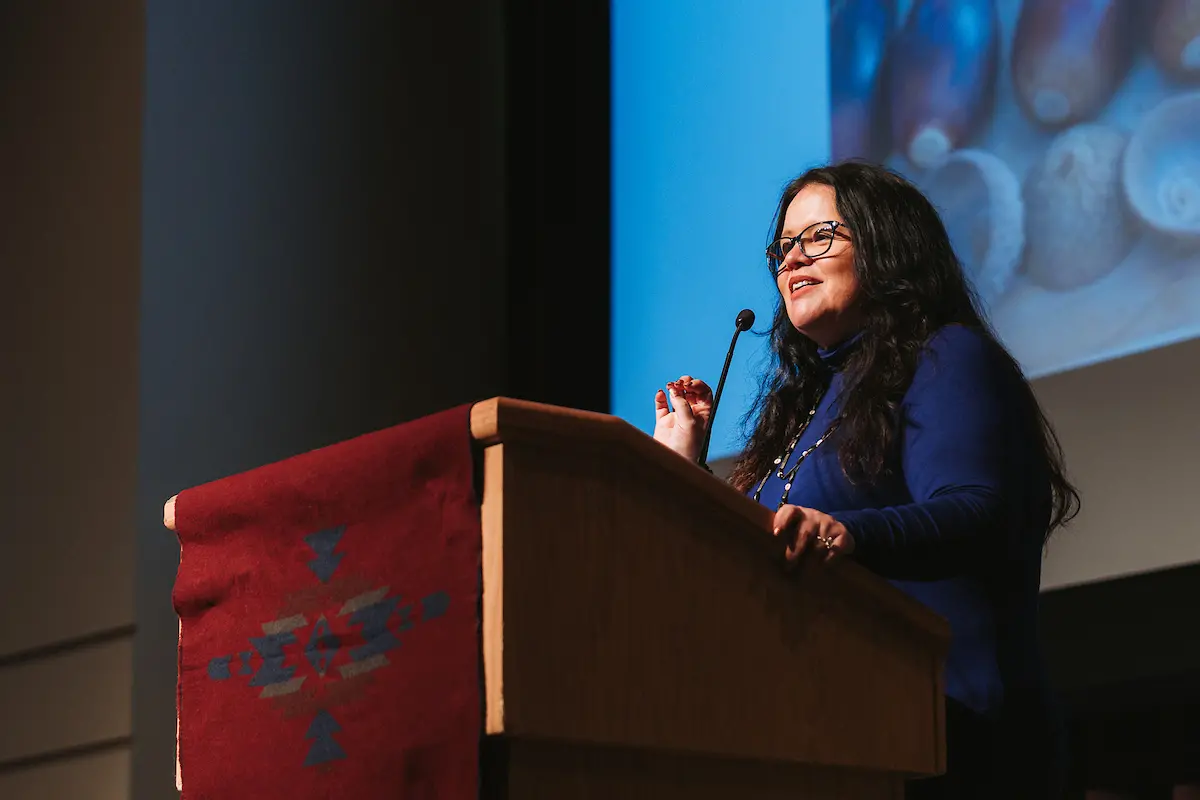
(660, 404)
(804, 541)
(683, 411)
(785, 519)
(787, 526)
(829, 546)
(701, 405)
(702, 390)
(700, 408)
(839, 540)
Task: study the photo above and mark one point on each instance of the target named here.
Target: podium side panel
(636, 614)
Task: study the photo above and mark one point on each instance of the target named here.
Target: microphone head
(745, 319)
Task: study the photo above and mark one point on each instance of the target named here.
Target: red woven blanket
(328, 605)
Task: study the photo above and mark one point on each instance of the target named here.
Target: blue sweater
(959, 520)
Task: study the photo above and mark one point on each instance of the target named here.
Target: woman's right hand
(681, 425)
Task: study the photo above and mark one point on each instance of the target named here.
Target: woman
(897, 431)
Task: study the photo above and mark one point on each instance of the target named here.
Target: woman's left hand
(811, 531)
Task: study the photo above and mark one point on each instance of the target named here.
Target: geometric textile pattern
(329, 638)
(364, 630)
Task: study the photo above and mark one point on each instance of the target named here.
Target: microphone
(745, 319)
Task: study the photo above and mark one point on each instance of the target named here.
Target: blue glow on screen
(716, 105)
(1072, 195)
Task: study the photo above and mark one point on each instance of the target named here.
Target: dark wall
(1128, 672)
(70, 110)
(354, 214)
(557, 124)
(323, 254)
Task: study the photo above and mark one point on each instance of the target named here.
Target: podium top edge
(492, 419)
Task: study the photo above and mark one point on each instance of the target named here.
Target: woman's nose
(796, 258)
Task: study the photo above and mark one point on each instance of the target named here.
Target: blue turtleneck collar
(835, 357)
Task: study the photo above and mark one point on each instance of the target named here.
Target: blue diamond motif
(322, 647)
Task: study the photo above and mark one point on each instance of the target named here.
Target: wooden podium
(641, 638)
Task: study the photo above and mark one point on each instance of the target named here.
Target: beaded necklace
(781, 462)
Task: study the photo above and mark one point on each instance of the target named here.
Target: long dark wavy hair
(912, 284)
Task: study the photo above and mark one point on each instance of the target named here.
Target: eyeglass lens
(814, 241)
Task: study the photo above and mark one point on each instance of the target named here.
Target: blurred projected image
(1061, 141)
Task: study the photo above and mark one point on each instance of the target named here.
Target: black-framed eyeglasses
(815, 241)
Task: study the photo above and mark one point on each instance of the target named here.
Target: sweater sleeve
(962, 428)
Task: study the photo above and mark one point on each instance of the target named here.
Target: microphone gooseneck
(744, 321)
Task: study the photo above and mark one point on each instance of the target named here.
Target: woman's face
(821, 294)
